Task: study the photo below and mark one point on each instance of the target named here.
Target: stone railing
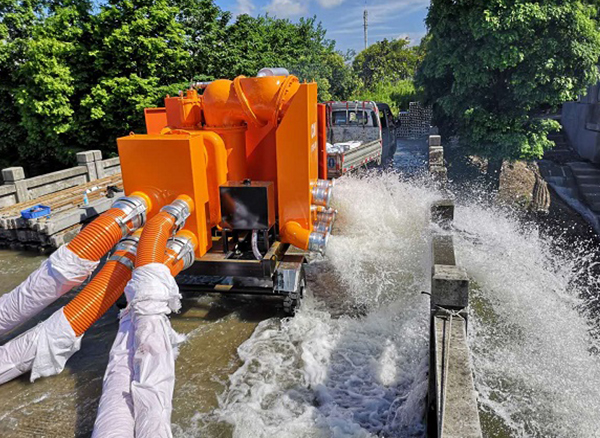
(90, 167)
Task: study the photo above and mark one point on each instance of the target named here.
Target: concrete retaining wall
(90, 167)
(452, 400)
(581, 123)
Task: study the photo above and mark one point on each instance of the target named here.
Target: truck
(359, 135)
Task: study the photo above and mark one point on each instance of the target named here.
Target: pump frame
(280, 273)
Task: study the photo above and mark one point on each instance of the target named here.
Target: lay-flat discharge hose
(153, 241)
(102, 292)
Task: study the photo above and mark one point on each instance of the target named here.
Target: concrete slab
(458, 415)
(71, 217)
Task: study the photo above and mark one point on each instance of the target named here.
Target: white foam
(353, 362)
(317, 375)
(532, 348)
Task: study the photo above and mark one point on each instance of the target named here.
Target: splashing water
(353, 361)
(535, 361)
(324, 373)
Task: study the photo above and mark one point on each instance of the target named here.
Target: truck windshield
(350, 117)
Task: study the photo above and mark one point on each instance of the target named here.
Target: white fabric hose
(153, 294)
(57, 275)
(115, 412)
(44, 349)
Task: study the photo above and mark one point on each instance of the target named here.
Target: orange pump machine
(247, 153)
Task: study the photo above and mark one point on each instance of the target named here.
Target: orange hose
(99, 237)
(174, 265)
(99, 295)
(153, 242)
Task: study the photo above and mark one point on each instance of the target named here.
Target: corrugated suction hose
(153, 242)
(125, 216)
(104, 289)
(99, 237)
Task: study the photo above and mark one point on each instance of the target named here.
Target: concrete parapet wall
(91, 166)
(452, 399)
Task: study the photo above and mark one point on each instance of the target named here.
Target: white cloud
(244, 7)
(287, 8)
(330, 3)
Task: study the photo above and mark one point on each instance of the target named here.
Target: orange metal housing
(262, 128)
(166, 166)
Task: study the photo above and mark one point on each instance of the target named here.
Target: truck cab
(354, 137)
(388, 133)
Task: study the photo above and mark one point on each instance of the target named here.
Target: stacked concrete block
(437, 166)
(416, 122)
(403, 127)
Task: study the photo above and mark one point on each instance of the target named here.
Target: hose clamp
(123, 260)
(135, 213)
(128, 244)
(183, 248)
(327, 216)
(180, 210)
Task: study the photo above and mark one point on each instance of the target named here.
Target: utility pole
(366, 21)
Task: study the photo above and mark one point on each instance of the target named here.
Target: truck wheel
(293, 299)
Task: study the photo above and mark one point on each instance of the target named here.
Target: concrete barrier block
(456, 399)
(436, 156)
(449, 287)
(435, 140)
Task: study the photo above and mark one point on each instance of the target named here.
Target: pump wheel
(293, 299)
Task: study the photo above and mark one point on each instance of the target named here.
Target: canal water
(353, 361)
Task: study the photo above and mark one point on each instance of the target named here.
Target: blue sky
(343, 19)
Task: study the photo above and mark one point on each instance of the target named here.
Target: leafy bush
(397, 95)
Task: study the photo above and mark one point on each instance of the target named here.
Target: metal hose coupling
(127, 245)
(327, 216)
(135, 209)
(183, 245)
(317, 242)
(180, 209)
(322, 192)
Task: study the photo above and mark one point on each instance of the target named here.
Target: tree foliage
(387, 61)
(75, 75)
(491, 67)
(397, 96)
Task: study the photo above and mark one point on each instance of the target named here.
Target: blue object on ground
(36, 211)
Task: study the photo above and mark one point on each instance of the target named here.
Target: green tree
(138, 51)
(387, 61)
(397, 95)
(41, 45)
(491, 66)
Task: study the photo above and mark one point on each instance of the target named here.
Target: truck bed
(340, 163)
